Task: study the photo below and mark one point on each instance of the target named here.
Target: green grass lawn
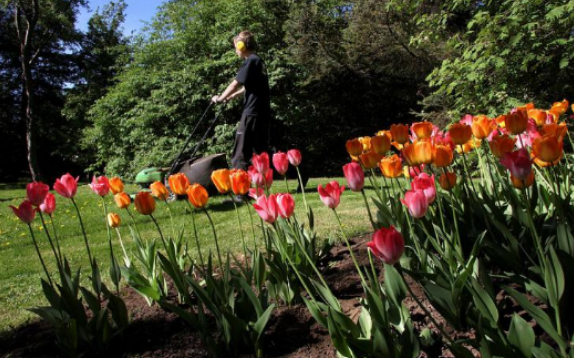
(20, 269)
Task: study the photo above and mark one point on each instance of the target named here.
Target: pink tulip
(414, 171)
(416, 202)
(66, 186)
(255, 193)
(281, 162)
(25, 211)
(466, 119)
(331, 194)
(36, 192)
(286, 205)
(425, 183)
(518, 163)
(388, 245)
(261, 162)
(294, 157)
(258, 179)
(100, 185)
(49, 204)
(267, 208)
(354, 175)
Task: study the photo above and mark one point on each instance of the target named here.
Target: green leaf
(394, 285)
(521, 335)
(262, 321)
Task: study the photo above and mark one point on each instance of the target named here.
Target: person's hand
(215, 99)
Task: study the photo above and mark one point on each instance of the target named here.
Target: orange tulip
(522, 184)
(482, 126)
(220, 178)
(422, 152)
(559, 108)
(369, 160)
(122, 200)
(422, 130)
(366, 142)
(240, 182)
(538, 115)
(447, 181)
(460, 133)
(144, 203)
(500, 120)
(354, 147)
(516, 122)
(548, 149)
(386, 133)
(178, 183)
(409, 155)
(502, 144)
(116, 185)
(528, 106)
(558, 129)
(114, 220)
(391, 167)
(380, 144)
(159, 190)
(197, 195)
(442, 155)
(400, 133)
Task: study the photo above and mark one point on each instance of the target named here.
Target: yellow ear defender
(240, 46)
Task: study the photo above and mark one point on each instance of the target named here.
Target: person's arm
(238, 93)
(230, 92)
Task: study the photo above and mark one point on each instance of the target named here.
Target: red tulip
(518, 163)
(36, 192)
(255, 193)
(331, 194)
(281, 162)
(294, 156)
(25, 211)
(261, 163)
(100, 185)
(49, 204)
(267, 208)
(416, 202)
(354, 175)
(66, 186)
(426, 184)
(258, 179)
(286, 205)
(388, 245)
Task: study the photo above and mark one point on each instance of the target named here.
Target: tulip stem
(368, 209)
(170, 218)
(240, 230)
(533, 231)
(286, 183)
(216, 242)
(40, 255)
(250, 214)
(113, 258)
(84, 233)
(57, 257)
(302, 186)
(159, 230)
(468, 174)
(126, 257)
(350, 249)
(56, 237)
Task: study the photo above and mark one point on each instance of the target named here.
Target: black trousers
(252, 137)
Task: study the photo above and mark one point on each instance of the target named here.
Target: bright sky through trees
(137, 12)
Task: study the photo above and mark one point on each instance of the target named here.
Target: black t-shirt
(253, 76)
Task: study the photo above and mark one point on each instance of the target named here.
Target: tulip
(370, 160)
(354, 147)
(294, 156)
(547, 149)
(523, 184)
(447, 181)
(460, 133)
(416, 202)
(422, 151)
(426, 184)
(443, 138)
(442, 155)
(482, 126)
(220, 178)
(400, 133)
(422, 130)
(538, 115)
(386, 133)
(159, 190)
(261, 163)
(100, 185)
(197, 195)
(559, 108)
(501, 144)
(25, 211)
(558, 129)
(49, 204)
(516, 121)
(116, 185)
(380, 144)
(501, 121)
(240, 182)
(267, 208)
(114, 220)
(366, 142)
(518, 163)
(259, 180)
(286, 205)
(409, 156)
(36, 192)
(355, 176)
(122, 200)
(66, 186)
(256, 192)
(391, 167)
(178, 183)
(331, 194)
(281, 162)
(144, 203)
(387, 244)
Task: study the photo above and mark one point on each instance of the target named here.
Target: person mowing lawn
(252, 135)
